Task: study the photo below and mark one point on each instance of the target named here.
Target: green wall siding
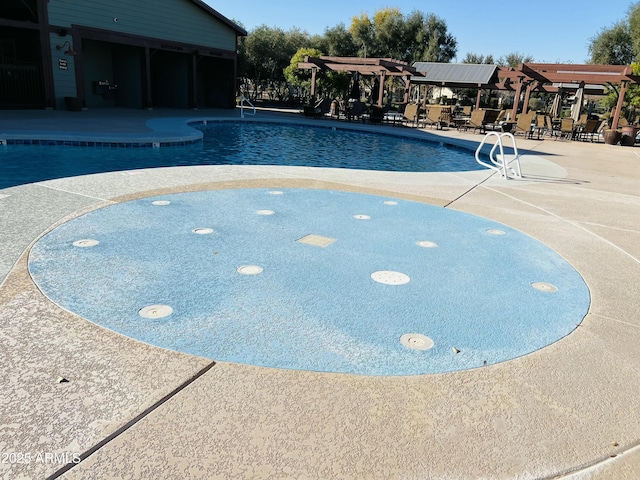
(64, 81)
(174, 20)
(98, 65)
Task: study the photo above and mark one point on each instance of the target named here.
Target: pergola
(535, 77)
(380, 67)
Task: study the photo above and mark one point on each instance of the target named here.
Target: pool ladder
(500, 162)
(244, 99)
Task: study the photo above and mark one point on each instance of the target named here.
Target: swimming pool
(315, 280)
(238, 143)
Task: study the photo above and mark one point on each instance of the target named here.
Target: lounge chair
(524, 124)
(318, 110)
(566, 128)
(376, 115)
(355, 110)
(411, 115)
(588, 130)
(494, 119)
(604, 125)
(543, 126)
(439, 116)
(476, 121)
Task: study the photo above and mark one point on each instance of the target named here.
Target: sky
(551, 31)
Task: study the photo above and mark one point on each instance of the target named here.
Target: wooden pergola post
(516, 99)
(527, 94)
(616, 114)
(381, 90)
(407, 90)
(313, 84)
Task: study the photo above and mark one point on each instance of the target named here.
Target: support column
(478, 97)
(381, 90)
(407, 90)
(313, 85)
(616, 114)
(516, 100)
(527, 94)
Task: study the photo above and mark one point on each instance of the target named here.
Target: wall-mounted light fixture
(68, 51)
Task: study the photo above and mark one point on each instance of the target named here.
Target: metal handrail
(242, 100)
(500, 162)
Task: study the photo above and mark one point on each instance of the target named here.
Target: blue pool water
(313, 280)
(236, 143)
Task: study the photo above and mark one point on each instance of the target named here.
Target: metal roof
(214, 13)
(458, 73)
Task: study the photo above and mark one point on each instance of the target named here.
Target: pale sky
(552, 31)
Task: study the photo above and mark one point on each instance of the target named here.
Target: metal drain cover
(544, 287)
(389, 277)
(390, 202)
(275, 192)
(266, 212)
(362, 217)
(155, 311)
(495, 231)
(202, 231)
(427, 244)
(416, 341)
(160, 202)
(86, 242)
(249, 270)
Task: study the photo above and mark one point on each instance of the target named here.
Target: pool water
(240, 143)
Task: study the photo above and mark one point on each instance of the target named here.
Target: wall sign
(62, 63)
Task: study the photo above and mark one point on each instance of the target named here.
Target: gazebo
(379, 67)
(529, 77)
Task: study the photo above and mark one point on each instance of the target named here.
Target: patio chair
(355, 110)
(494, 119)
(411, 114)
(543, 126)
(604, 125)
(566, 128)
(376, 115)
(324, 106)
(445, 117)
(321, 108)
(582, 120)
(524, 124)
(588, 130)
(439, 116)
(476, 121)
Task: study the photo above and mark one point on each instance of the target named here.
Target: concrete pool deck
(129, 410)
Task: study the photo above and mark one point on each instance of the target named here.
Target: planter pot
(629, 133)
(611, 137)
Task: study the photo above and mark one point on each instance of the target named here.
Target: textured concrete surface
(569, 410)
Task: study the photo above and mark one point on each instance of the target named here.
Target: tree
(339, 42)
(416, 37)
(328, 83)
(514, 59)
(634, 29)
(264, 54)
(612, 46)
(478, 59)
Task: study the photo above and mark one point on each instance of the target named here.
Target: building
(120, 53)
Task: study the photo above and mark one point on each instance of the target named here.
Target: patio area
(84, 402)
